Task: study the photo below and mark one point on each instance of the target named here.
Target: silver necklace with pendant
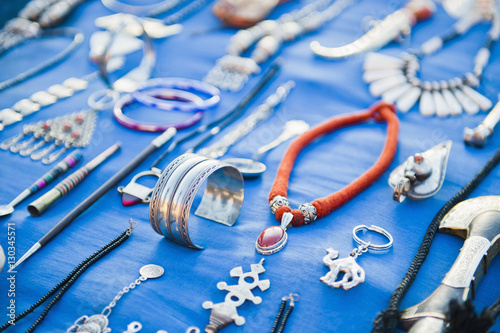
(251, 168)
(100, 323)
(395, 79)
(421, 175)
(353, 273)
(232, 71)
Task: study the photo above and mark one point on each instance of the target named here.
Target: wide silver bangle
(176, 189)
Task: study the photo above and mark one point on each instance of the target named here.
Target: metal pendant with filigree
(48, 140)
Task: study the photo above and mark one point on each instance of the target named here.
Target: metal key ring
(369, 245)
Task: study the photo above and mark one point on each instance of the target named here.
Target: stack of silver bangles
(176, 189)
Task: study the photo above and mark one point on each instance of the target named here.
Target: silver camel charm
(353, 273)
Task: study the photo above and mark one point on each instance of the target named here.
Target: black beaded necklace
(64, 285)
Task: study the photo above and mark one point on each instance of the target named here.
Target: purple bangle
(142, 96)
(159, 94)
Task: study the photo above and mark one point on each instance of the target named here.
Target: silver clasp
(134, 192)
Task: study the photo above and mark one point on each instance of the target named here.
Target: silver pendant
(273, 239)
(225, 313)
(421, 175)
(353, 273)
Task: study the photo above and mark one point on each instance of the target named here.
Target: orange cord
(381, 112)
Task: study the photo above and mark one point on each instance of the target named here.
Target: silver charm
(353, 273)
(225, 313)
(99, 323)
(480, 135)
(422, 175)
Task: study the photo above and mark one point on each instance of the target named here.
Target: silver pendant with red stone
(274, 239)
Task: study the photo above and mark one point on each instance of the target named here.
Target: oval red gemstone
(271, 236)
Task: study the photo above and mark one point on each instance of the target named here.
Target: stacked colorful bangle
(169, 94)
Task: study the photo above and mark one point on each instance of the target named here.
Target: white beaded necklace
(396, 81)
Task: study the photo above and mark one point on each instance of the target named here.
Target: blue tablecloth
(323, 89)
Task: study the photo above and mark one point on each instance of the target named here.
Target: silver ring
(176, 189)
(369, 245)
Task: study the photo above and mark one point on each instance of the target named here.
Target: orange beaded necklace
(273, 239)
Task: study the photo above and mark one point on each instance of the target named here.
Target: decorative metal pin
(422, 175)
(225, 313)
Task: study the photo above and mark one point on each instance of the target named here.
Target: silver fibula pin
(422, 175)
(225, 313)
(353, 273)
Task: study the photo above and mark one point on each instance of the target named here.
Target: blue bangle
(160, 94)
(192, 86)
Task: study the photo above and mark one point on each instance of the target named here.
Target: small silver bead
(277, 202)
(309, 212)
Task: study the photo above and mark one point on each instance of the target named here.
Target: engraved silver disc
(151, 271)
(248, 168)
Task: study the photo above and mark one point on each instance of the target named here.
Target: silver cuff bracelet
(176, 189)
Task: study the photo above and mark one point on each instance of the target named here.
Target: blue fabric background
(323, 89)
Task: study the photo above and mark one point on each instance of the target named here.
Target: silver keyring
(369, 245)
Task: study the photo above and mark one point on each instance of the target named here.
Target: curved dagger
(478, 221)
(384, 32)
